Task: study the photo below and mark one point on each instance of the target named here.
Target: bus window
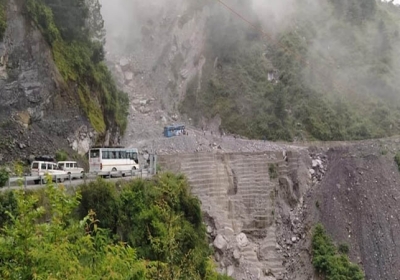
(105, 155)
(94, 153)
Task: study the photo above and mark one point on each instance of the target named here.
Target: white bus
(113, 159)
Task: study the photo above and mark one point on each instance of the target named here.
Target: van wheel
(113, 170)
(82, 175)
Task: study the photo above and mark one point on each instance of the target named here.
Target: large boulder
(242, 240)
(220, 242)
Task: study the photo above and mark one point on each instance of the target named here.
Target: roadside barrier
(70, 179)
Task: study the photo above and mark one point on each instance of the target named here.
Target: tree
(95, 22)
(70, 17)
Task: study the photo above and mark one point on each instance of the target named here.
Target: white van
(71, 167)
(42, 168)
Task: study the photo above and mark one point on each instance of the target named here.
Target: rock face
(37, 111)
(168, 39)
(246, 211)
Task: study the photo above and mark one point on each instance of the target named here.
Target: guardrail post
(55, 177)
(150, 169)
(25, 183)
(9, 183)
(155, 165)
(41, 180)
(69, 177)
(84, 178)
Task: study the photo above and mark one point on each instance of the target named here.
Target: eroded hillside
(358, 204)
(261, 208)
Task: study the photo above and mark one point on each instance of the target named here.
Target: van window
(94, 153)
(67, 165)
(75, 165)
(43, 166)
(61, 165)
(49, 167)
(35, 165)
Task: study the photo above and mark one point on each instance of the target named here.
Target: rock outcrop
(38, 112)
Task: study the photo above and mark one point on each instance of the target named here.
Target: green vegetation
(3, 18)
(343, 248)
(4, 175)
(397, 159)
(273, 171)
(61, 155)
(329, 262)
(74, 30)
(158, 221)
(61, 248)
(331, 75)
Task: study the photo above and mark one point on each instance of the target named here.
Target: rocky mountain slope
(38, 114)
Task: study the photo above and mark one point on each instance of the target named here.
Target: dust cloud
(124, 21)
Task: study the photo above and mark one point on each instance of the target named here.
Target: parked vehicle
(42, 168)
(174, 130)
(71, 167)
(113, 159)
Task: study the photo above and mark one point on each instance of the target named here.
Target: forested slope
(140, 230)
(327, 70)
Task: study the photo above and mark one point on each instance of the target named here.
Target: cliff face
(38, 114)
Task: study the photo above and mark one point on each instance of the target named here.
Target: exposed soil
(358, 203)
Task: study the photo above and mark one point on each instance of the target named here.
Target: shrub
(397, 160)
(101, 197)
(8, 204)
(328, 262)
(343, 248)
(4, 176)
(273, 171)
(61, 155)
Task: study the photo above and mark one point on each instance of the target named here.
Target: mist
(347, 50)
